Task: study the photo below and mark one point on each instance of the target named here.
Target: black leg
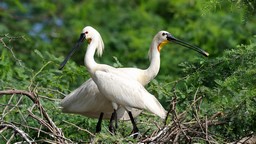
(116, 126)
(111, 127)
(135, 129)
(98, 127)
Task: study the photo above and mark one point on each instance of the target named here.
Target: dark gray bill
(77, 45)
(185, 44)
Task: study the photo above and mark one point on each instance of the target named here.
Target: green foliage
(127, 28)
(227, 84)
(48, 30)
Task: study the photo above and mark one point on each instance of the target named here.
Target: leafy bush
(45, 31)
(227, 84)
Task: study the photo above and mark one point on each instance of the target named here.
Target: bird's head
(161, 39)
(164, 37)
(90, 35)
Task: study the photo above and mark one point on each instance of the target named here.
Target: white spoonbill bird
(88, 101)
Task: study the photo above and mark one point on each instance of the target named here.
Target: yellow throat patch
(162, 44)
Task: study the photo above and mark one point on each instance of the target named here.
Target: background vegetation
(36, 35)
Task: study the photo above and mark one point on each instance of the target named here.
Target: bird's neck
(89, 57)
(154, 57)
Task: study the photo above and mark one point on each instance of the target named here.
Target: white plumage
(113, 84)
(88, 101)
(117, 87)
(127, 92)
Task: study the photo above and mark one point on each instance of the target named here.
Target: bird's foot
(112, 130)
(135, 132)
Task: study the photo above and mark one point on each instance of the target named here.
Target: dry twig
(44, 119)
(10, 38)
(184, 129)
(16, 129)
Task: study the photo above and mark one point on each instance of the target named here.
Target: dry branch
(17, 130)
(30, 95)
(44, 119)
(184, 128)
(246, 140)
(11, 38)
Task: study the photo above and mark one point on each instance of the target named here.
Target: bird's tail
(154, 106)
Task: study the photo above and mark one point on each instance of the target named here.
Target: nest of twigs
(180, 128)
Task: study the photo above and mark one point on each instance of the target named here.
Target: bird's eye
(163, 34)
(86, 32)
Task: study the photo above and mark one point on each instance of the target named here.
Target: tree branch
(9, 48)
(16, 129)
(47, 122)
(31, 95)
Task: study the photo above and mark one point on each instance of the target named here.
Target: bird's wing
(121, 89)
(86, 100)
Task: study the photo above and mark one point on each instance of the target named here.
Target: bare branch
(31, 95)
(48, 123)
(184, 128)
(19, 131)
(9, 48)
